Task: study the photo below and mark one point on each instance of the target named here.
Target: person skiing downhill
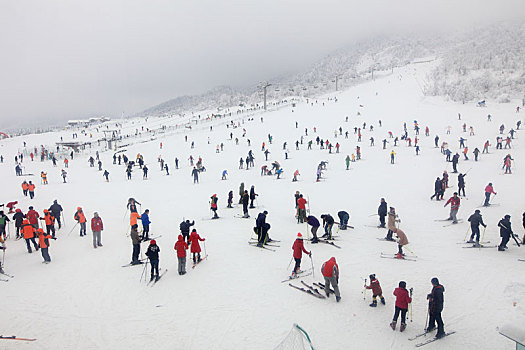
(488, 191)
(475, 220)
(153, 255)
(298, 249)
(402, 300)
(454, 202)
(330, 271)
(376, 290)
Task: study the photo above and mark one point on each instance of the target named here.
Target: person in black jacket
(18, 218)
(382, 212)
(132, 205)
(153, 254)
(185, 229)
(252, 196)
(505, 231)
(436, 300)
(523, 240)
(245, 200)
(455, 160)
(343, 219)
(475, 220)
(56, 210)
(261, 228)
(438, 186)
(461, 184)
(328, 223)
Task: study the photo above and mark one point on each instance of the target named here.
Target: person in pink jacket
(402, 300)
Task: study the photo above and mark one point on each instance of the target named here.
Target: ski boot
(314, 240)
(383, 301)
(440, 335)
(393, 325)
(152, 278)
(470, 241)
(399, 256)
(403, 326)
(430, 329)
(338, 299)
(374, 303)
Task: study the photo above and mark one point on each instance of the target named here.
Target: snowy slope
(84, 299)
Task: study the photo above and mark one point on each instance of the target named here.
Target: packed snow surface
(85, 299)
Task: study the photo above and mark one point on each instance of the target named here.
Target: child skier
(181, 247)
(153, 255)
(213, 206)
(402, 301)
(376, 290)
(195, 246)
(298, 249)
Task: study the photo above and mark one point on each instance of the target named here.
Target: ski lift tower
(264, 86)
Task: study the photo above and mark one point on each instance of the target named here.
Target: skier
(330, 271)
(224, 174)
(81, 219)
(3, 223)
(328, 223)
(295, 174)
(106, 175)
(436, 300)
(392, 157)
(132, 205)
(230, 199)
(181, 248)
(25, 187)
(195, 174)
(506, 164)
(145, 172)
(213, 205)
(454, 207)
(455, 160)
(245, 200)
(343, 219)
(301, 209)
(476, 154)
(488, 191)
(185, 229)
(461, 184)
(253, 195)
(153, 255)
(376, 290)
(438, 187)
(145, 225)
(382, 212)
(33, 217)
(298, 249)
(195, 246)
(402, 300)
(402, 241)
(18, 218)
(50, 222)
(28, 232)
(241, 192)
(261, 228)
(392, 219)
(96, 227)
(475, 220)
(347, 160)
(43, 242)
(135, 239)
(312, 221)
(505, 232)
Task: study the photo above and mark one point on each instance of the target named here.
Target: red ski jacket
(301, 203)
(96, 224)
(375, 286)
(454, 202)
(194, 240)
(298, 249)
(329, 268)
(402, 298)
(181, 247)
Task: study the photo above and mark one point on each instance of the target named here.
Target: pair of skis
(393, 256)
(199, 261)
(429, 340)
(13, 337)
(155, 280)
(5, 279)
(298, 275)
(310, 290)
(327, 241)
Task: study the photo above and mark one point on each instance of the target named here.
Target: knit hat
(299, 236)
(372, 276)
(152, 242)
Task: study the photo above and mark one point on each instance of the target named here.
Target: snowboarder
(153, 255)
(505, 232)
(298, 249)
(436, 300)
(454, 202)
(195, 246)
(330, 271)
(402, 300)
(181, 248)
(376, 290)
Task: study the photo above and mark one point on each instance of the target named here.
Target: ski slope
(84, 299)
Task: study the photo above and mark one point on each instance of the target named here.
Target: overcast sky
(72, 59)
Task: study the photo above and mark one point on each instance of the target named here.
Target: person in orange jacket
(181, 248)
(43, 240)
(50, 222)
(81, 219)
(29, 235)
(25, 188)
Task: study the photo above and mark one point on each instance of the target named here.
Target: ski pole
(143, 271)
(409, 250)
(289, 263)
(72, 228)
(466, 234)
(204, 243)
(483, 235)
(364, 291)
(410, 305)
(428, 316)
(311, 260)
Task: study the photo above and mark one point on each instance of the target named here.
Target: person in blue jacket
(145, 225)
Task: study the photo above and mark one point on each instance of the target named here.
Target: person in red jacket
(33, 217)
(181, 248)
(298, 249)
(376, 290)
(454, 207)
(97, 226)
(301, 209)
(402, 300)
(330, 271)
(195, 247)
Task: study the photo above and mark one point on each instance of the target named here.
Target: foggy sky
(74, 59)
